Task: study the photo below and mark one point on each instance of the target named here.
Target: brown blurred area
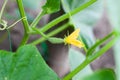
(102, 29)
(58, 54)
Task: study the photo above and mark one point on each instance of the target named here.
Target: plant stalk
(65, 16)
(37, 19)
(90, 51)
(89, 59)
(53, 33)
(2, 9)
(24, 21)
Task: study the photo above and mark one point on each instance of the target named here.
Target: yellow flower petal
(75, 34)
(77, 43)
(72, 39)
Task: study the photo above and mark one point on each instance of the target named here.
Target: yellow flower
(72, 39)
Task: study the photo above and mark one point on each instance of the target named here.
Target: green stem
(54, 32)
(102, 50)
(65, 16)
(24, 40)
(90, 51)
(90, 59)
(15, 23)
(9, 38)
(41, 33)
(3, 7)
(37, 19)
(24, 21)
(22, 13)
(75, 71)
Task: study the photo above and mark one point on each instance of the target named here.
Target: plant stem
(90, 51)
(3, 7)
(89, 59)
(9, 38)
(37, 19)
(65, 16)
(24, 40)
(24, 21)
(102, 50)
(54, 32)
(15, 23)
(22, 13)
(75, 71)
(41, 33)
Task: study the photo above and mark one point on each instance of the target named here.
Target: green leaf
(76, 58)
(84, 19)
(51, 6)
(25, 64)
(105, 74)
